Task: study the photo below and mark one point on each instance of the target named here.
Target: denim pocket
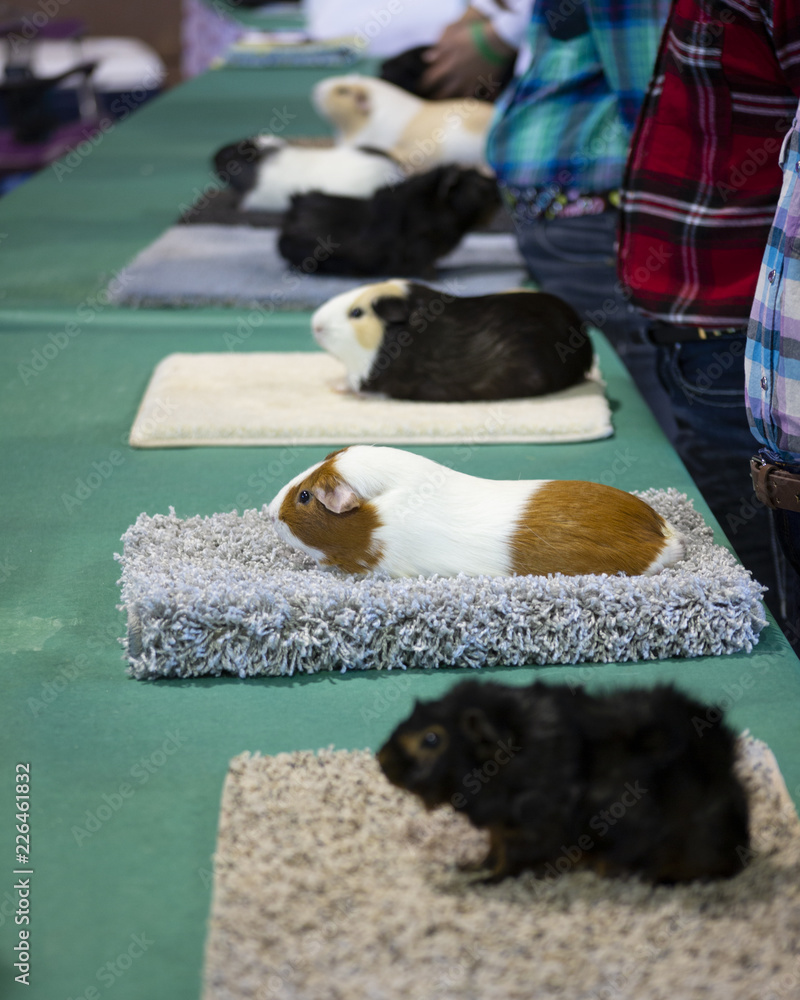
(574, 241)
(707, 372)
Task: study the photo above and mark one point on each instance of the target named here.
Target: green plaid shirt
(568, 119)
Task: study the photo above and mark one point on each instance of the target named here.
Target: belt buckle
(759, 473)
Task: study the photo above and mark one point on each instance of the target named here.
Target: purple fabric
(772, 360)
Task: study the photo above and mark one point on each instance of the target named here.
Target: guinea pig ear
(449, 179)
(334, 493)
(477, 727)
(392, 308)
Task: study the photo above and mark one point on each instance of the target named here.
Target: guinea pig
(267, 171)
(407, 69)
(368, 508)
(624, 782)
(408, 341)
(420, 134)
(402, 229)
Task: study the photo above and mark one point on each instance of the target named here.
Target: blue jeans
(705, 383)
(576, 260)
(695, 390)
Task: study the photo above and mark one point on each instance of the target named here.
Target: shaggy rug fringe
(330, 883)
(223, 595)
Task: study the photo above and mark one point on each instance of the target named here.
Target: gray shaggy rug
(213, 265)
(331, 884)
(222, 595)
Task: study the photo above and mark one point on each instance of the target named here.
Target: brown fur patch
(436, 121)
(347, 539)
(413, 743)
(574, 527)
(348, 106)
(369, 328)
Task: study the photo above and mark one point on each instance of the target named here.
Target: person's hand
(458, 66)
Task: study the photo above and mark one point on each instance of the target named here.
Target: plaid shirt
(772, 358)
(702, 180)
(567, 120)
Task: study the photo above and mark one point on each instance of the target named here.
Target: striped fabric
(772, 358)
(568, 119)
(702, 180)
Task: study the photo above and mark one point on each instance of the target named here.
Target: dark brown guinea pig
(408, 341)
(633, 781)
(401, 228)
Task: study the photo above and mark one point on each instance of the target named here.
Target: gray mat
(222, 265)
(221, 207)
(222, 595)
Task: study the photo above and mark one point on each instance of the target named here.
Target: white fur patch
(434, 519)
(391, 109)
(674, 550)
(333, 330)
(335, 170)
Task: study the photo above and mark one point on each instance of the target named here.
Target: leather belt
(671, 333)
(774, 485)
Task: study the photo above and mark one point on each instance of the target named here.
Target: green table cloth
(125, 776)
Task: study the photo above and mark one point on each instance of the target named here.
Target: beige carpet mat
(292, 398)
(331, 884)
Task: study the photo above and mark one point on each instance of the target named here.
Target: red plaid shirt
(702, 179)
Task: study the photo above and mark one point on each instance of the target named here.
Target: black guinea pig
(401, 229)
(408, 341)
(634, 781)
(407, 69)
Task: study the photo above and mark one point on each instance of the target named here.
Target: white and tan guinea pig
(405, 340)
(267, 171)
(369, 508)
(420, 134)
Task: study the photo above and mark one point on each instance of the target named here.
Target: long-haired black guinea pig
(401, 229)
(408, 341)
(633, 781)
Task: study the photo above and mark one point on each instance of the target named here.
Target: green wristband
(485, 49)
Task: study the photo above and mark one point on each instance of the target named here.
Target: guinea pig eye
(356, 312)
(304, 496)
(431, 739)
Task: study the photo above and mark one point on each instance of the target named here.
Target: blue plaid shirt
(568, 119)
(772, 358)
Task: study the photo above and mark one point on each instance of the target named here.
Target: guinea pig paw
(474, 866)
(341, 386)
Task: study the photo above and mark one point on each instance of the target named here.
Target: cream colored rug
(331, 884)
(292, 398)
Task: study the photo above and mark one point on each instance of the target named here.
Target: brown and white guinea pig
(622, 782)
(267, 171)
(368, 508)
(408, 341)
(420, 134)
(402, 229)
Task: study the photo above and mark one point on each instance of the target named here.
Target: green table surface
(127, 775)
(68, 230)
